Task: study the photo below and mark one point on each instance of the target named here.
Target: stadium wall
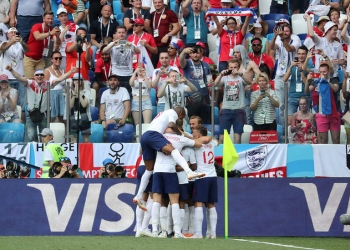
(257, 207)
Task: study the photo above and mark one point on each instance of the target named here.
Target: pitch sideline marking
(275, 244)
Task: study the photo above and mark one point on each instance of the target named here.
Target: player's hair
(180, 110)
(179, 122)
(202, 130)
(200, 121)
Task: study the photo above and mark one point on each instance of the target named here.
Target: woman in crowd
(137, 79)
(259, 30)
(263, 103)
(303, 123)
(8, 101)
(80, 99)
(229, 39)
(134, 12)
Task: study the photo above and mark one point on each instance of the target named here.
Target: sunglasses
(256, 45)
(136, 25)
(39, 74)
(230, 23)
(64, 159)
(57, 58)
(170, 47)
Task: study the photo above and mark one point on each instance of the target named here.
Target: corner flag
(230, 156)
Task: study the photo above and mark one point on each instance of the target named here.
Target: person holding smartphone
(263, 102)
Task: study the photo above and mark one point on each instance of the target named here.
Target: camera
(122, 42)
(229, 72)
(14, 170)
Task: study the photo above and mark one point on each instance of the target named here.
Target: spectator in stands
(202, 53)
(321, 22)
(303, 123)
(103, 69)
(334, 15)
(72, 55)
(95, 8)
(122, 56)
(39, 42)
(195, 22)
(251, 4)
(173, 49)
(13, 52)
(24, 14)
(263, 103)
(165, 25)
(136, 12)
(68, 33)
(327, 115)
(297, 74)
(346, 96)
(159, 77)
(126, 4)
(141, 38)
(196, 72)
(232, 112)
(174, 89)
(115, 103)
(37, 99)
(80, 99)
(101, 28)
(298, 6)
(4, 12)
(259, 57)
(79, 15)
(8, 101)
(259, 30)
(229, 39)
(139, 78)
(286, 48)
(56, 78)
(346, 38)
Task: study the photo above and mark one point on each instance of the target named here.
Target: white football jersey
(166, 163)
(205, 159)
(188, 154)
(162, 120)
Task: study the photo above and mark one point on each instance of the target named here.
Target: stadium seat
(214, 56)
(101, 91)
(302, 36)
(275, 17)
(96, 133)
(246, 134)
(269, 36)
(212, 43)
(271, 24)
(264, 7)
(94, 113)
(11, 132)
(144, 128)
(172, 5)
(216, 115)
(124, 134)
(153, 95)
(93, 97)
(116, 8)
(341, 76)
(343, 17)
(120, 18)
(299, 24)
(280, 133)
(59, 131)
(154, 111)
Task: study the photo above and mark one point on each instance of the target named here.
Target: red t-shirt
(215, 4)
(226, 43)
(165, 26)
(207, 60)
(252, 5)
(175, 61)
(36, 47)
(104, 68)
(71, 61)
(263, 58)
(135, 40)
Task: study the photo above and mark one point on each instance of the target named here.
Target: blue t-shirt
(196, 24)
(195, 73)
(296, 77)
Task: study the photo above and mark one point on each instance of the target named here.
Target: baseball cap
(39, 71)
(138, 21)
(46, 131)
(106, 161)
(76, 77)
(61, 10)
(12, 29)
(113, 76)
(201, 44)
(282, 20)
(4, 78)
(323, 18)
(328, 26)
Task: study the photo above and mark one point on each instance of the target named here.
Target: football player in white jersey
(153, 141)
(205, 189)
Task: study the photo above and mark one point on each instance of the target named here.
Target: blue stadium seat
(100, 92)
(154, 111)
(280, 133)
(172, 5)
(274, 17)
(216, 115)
(269, 36)
(271, 24)
(11, 132)
(302, 36)
(96, 133)
(94, 113)
(153, 95)
(120, 18)
(341, 76)
(124, 134)
(116, 8)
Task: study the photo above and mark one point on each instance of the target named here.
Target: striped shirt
(265, 111)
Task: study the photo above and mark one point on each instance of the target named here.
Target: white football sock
(198, 220)
(163, 218)
(191, 226)
(213, 218)
(208, 221)
(186, 220)
(139, 218)
(155, 216)
(148, 215)
(176, 217)
(180, 160)
(170, 222)
(144, 182)
(182, 215)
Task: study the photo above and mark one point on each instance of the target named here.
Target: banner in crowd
(260, 207)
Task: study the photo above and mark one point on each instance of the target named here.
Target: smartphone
(17, 33)
(178, 77)
(122, 42)
(88, 38)
(315, 75)
(57, 26)
(262, 91)
(229, 72)
(195, 51)
(296, 59)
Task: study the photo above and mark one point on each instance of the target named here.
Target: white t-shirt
(162, 120)
(14, 55)
(121, 58)
(205, 159)
(188, 154)
(332, 50)
(114, 103)
(176, 96)
(284, 57)
(234, 92)
(166, 163)
(135, 89)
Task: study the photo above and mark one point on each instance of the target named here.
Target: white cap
(61, 10)
(328, 26)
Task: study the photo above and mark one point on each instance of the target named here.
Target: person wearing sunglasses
(53, 152)
(13, 51)
(136, 12)
(260, 57)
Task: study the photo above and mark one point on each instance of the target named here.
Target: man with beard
(258, 57)
(122, 53)
(115, 103)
